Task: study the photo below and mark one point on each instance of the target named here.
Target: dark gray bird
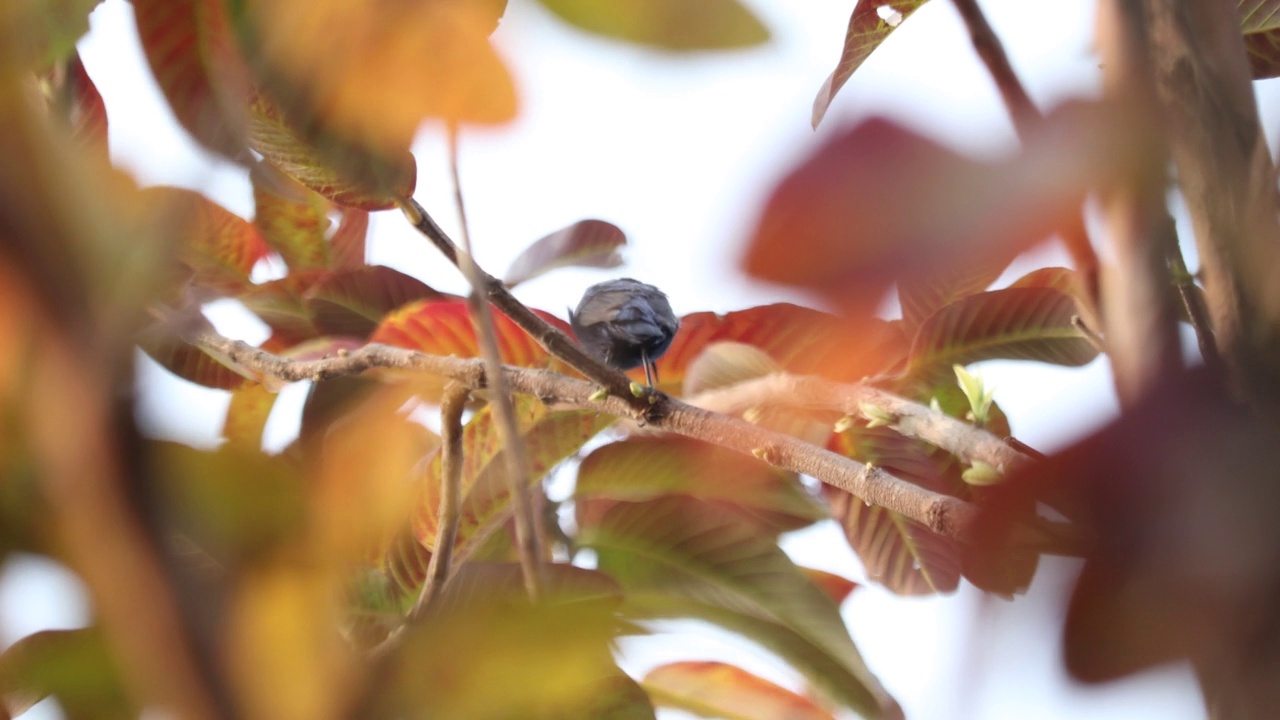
(626, 323)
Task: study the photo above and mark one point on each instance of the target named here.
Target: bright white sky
(680, 152)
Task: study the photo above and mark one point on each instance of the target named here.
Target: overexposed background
(681, 151)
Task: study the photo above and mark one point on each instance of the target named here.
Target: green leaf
(551, 659)
(74, 666)
(681, 557)
(666, 24)
(1013, 323)
(721, 690)
(899, 553)
(866, 31)
(587, 243)
(640, 469)
(247, 415)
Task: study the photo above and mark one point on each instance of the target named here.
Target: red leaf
(444, 328)
(193, 365)
(1258, 21)
(587, 243)
(901, 554)
(879, 204)
(799, 339)
(194, 58)
(866, 31)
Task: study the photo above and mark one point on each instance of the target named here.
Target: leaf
(74, 97)
(720, 690)
(74, 666)
(45, 32)
(836, 587)
(1014, 324)
(725, 364)
(444, 328)
(348, 242)
(678, 556)
(1067, 281)
(897, 552)
(194, 58)
(279, 303)
(1260, 23)
(293, 219)
(353, 302)
(867, 29)
(549, 438)
(370, 74)
(363, 180)
(220, 247)
(847, 222)
(193, 365)
(247, 415)
(666, 24)
(640, 469)
(800, 340)
(586, 243)
(924, 294)
(550, 659)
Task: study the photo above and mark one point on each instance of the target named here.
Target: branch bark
(438, 569)
(943, 514)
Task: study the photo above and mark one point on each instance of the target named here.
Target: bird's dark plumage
(626, 323)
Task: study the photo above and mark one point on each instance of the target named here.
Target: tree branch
(550, 338)
(966, 442)
(943, 514)
(1026, 118)
(438, 569)
(516, 457)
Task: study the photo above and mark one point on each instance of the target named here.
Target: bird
(625, 323)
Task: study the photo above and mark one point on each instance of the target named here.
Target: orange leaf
(372, 72)
(292, 218)
(444, 328)
(196, 62)
(348, 242)
(837, 587)
(220, 247)
(716, 689)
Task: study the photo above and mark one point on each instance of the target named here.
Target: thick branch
(912, 419)
(943, 514)
(1226, 175)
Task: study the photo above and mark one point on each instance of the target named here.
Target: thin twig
(943, 514)
(550, 338)
(1026, 118)
(1194, 304)
(515, 455)
(1024, 113)
(438, 569)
